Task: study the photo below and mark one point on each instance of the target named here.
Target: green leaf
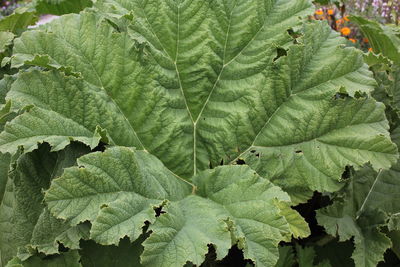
(18, 21)
(372, 244)
(70, 259)
(6, 39)
(25, 222)
(305, 256)
(384, 39)
(377, 61)
(193, 105)
(60, 7)
(5, 86)
(56, 130)
(5, 160)
(193, 85)
(77, 119)
(362, 211)
(116, 190)
(233, 205)
(394, 222)
(60, 231)
(286, 257)
(297, 225)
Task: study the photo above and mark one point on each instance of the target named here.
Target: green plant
(118, 119)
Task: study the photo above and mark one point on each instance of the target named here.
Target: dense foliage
(180, 133)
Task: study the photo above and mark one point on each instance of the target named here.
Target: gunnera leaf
(193, 85)
(199, 82)
(26, 225)
(362, 211)
(118, 190)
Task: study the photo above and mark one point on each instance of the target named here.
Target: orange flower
(352, 40)
(365, 40)
(331, 11)
(339, 21)
(370, 49)
(345, 31)
(319, 12)
(346, 18)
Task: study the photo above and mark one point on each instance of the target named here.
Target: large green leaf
(25, 222)
(192, 85)
(362, 211)
(119, 189)
(197, 82)
(234, 205)
(52, 119)
(124, 185)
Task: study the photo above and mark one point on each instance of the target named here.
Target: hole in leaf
(280, 52)
(347, 173)
(294, 34)
(341, 96)
(240, 162)
(307, 211)
(62, 248)
(234, 258)
(159, 211)
(100, 147)
(299, 151)
(252, 151)
(222, 162)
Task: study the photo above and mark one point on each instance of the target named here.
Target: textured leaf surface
(75, 115)
(25, 223)
(202, 84)
(5, 40)
(117, 191)
(368, 200)
(50, 231)
(233, 205)
(119, 188)
(193, 85)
